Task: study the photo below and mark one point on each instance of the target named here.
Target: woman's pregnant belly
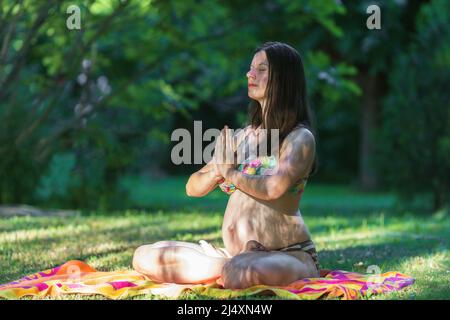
(248, 219)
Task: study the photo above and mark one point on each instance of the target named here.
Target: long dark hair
(286, 95)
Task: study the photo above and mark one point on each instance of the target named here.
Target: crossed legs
(184, 262)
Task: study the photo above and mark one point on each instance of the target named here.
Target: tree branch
(9, 33)
(14, 73)
(32, 127)
(7, 15)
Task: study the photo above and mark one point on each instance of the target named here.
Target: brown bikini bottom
(306, 246)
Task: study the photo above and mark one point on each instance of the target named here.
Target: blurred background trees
(414, 140)
(85, 114)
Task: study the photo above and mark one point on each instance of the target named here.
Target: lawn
(352, 231)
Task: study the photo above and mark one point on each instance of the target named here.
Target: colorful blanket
(77, 277)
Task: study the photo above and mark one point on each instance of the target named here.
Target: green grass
(352, 231)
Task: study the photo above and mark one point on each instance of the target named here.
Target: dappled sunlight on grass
(36, 234)
(112, 261)
(431, 273)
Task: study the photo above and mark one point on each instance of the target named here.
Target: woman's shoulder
(297, 140)
(301, 133)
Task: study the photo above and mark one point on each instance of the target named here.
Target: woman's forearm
(261, 187)
(201, 183)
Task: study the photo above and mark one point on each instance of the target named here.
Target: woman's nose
(250, 74)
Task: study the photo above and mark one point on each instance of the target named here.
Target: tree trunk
(369, 112)
(438, 200)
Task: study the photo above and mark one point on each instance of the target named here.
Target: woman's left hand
(224, 156)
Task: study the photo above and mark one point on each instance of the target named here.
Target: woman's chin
(252, 96)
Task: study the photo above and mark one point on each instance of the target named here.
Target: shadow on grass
(386, 255)
(127, 233)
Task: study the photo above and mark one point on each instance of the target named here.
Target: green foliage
(58, 178)
(414, 140)
(375, 49)
(333, 93)
(330, 81)
(112, 92)
(321, 11)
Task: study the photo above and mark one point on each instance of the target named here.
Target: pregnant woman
(266, 240)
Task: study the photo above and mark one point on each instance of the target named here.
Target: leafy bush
(414, 141)
(59, 177)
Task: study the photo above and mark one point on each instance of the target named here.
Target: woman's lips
(252, 85)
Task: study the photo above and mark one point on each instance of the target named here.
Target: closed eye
(260, 69)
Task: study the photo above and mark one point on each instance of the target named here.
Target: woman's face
(258, 76)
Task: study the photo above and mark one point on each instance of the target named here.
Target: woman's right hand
(219, 179)
(217, 176)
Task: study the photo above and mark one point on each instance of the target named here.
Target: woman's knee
(140, 256)
(153, 261)
(150, 255)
